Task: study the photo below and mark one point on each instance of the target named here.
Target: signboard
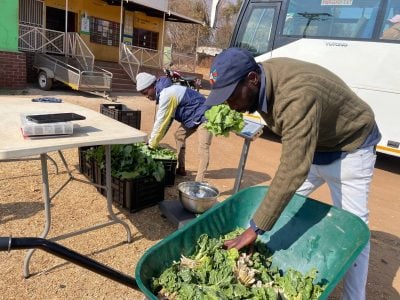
(85, 25)
(336, 2)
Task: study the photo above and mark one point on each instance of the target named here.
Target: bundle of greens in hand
(221, 120)
(215, 273)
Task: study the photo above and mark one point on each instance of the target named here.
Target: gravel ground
(79, 206)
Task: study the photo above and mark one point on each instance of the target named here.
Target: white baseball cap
(144, 80)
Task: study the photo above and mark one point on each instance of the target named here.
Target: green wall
(9, 25)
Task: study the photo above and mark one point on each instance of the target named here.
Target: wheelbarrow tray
(308, 234)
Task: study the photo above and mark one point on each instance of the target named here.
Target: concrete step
(122, 80)
(119, 86)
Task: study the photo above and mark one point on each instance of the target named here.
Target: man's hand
(247, 238)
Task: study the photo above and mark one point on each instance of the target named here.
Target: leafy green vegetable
(158, 153)
(214, 273)
(221, 120)
(128, 161)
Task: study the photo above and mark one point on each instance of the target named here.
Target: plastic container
(32, 129)
(132, 194)
(86, 167)
(170, 170)
(121, 113)
(308, 234)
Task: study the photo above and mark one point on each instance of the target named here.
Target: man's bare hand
(247, 238)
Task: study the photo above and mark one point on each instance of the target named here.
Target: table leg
(46, 200)
(109, 193)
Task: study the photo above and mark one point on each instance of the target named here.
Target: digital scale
(173, 209)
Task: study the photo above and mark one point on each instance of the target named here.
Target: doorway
(55, 19)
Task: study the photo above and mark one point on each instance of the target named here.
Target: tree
(226, 20)
(183, 37)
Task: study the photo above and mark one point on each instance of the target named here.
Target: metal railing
(38, 39)
(147, 57)
(153, 58)
(77, 48)
(128, 61)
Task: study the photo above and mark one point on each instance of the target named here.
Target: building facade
(98, 26)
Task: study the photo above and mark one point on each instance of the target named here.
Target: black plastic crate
(117, 190)
(121, 113)
(170, 170)
(86, 167)
(133, 194)
(143, 192)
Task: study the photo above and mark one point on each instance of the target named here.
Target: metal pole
(120, 28)
(121, 21)
(197, 45)
(66, 28)
(162, 41)
(242, 163)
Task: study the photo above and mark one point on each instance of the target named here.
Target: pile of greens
(129, 161)
(214, 273)
(158, 153)
(221, 120)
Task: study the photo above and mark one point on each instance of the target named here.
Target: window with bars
(104, 32)
(145, 38)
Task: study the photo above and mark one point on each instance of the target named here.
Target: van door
(256, 26)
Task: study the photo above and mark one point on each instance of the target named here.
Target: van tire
(45, 83)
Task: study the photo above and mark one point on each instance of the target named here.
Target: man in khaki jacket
(393, 32)
(328, 135)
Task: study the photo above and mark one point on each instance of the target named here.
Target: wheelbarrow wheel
(45, 83)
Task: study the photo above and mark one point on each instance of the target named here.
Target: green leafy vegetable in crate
(159, 152)
(128, 161)
(215, 273)
(221, 120)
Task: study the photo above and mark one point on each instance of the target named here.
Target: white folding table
(96, 129)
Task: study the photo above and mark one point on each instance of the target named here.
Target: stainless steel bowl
(197, 197)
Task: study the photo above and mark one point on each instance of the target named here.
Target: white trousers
(349, 180)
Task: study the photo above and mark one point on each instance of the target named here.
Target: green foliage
(215, 273)
(158, 153)
(221, 120)
(132, 160)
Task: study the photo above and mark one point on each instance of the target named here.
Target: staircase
(121, 83)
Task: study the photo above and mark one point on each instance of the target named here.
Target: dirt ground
(79, 206)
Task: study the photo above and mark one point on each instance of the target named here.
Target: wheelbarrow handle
(10, 243)
(5, 243)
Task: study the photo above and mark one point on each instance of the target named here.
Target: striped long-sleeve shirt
(180, 103)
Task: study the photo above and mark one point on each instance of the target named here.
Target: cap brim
(218, 96)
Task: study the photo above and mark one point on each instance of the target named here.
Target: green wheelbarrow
(308, 234)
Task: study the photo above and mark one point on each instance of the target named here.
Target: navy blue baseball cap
(227, 70)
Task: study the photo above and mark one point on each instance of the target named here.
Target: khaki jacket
(392, 33)
(312, 110)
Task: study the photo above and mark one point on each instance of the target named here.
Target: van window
(256, 30)
(331, 18)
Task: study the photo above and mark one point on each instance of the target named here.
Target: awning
(155, 10)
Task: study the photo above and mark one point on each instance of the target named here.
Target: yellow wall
(102, 10)
(142, 21)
